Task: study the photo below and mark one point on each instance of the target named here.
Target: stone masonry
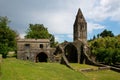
(37, 50)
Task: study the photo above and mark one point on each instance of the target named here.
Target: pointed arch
(71, 53)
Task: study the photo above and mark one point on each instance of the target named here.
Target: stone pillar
(79, 54)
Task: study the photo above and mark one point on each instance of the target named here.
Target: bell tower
(80, 27)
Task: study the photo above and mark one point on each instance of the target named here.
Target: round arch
(41, 57)
(71, 53)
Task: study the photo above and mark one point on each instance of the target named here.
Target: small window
(41, 45)
(27, 46)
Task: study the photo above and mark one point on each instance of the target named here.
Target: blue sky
(59, 15)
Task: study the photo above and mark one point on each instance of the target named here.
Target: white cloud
(104, 9)
(59, 15)
(94, 26)
(22, 36)
(57, 22)
(57, 38)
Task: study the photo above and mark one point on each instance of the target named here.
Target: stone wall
(28, 49)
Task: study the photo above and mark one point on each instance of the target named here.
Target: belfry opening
(41, 57)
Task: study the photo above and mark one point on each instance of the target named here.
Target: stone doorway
(71, 53)
(41, 57)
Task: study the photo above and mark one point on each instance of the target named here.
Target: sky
(59, 16)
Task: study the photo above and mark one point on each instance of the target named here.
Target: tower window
(41, 45)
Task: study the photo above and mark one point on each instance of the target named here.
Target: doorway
(41, 57)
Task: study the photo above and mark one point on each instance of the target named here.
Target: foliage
(38, 31)
(7, 37)
(13, 69)
(106, 33)
(106, 50)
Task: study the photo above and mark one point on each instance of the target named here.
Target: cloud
(58, 16)
(94, 26)
(22, 36)
(104, 9)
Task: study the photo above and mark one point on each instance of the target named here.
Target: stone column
(79, 54)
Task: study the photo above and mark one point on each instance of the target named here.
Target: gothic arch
(71, 53)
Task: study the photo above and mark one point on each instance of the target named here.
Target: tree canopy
(106, 50)
(38, 31)
(106, 33)
(7, 37)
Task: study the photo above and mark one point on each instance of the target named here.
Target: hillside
(13, 69)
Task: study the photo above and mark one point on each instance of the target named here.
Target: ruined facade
(38, 50)
(78, 50)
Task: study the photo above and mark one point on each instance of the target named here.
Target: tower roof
(79, 17)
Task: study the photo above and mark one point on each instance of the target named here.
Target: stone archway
(41, 57)
(71, 53)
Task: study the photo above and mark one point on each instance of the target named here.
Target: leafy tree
(94, 37)
(38, 31)
(98, 35)
(106, 33)
(106, 50)
(7, 37)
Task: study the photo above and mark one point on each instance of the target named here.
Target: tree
(106, 33)
(38, 31)
(106, 50)
(98, 35)
(94, 37)
(7, 37)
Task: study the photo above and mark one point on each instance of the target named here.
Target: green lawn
(13, 69)
(103, 75)
(97, 75)
(82, 66)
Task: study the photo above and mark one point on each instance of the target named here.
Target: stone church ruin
(39, 50)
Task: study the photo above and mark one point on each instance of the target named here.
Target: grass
(97, 75)
(13, 69)
(103, 75)
(82, 66)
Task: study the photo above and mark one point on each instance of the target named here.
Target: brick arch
(42, 57)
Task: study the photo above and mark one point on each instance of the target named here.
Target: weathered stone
(87, 70)
(37, 50)
(104, 68)
(80, 27)
(76, 52)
